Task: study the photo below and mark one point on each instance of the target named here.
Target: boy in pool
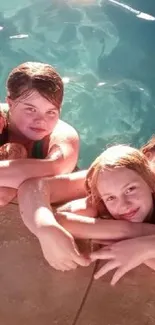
(36, 143)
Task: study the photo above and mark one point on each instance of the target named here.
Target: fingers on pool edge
(106, 268)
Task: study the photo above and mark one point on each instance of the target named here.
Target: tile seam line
(80, 309)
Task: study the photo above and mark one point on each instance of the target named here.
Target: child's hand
(12, 150)
(59, 248)
(124, 256)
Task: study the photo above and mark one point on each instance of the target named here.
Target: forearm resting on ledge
(97, 228)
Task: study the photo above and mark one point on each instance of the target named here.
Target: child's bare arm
(150, 263)
(92, 228)
(57, 243)
(82, 206)
(14, 172)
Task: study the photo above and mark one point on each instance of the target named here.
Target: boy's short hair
(149, 146)
(36, 76)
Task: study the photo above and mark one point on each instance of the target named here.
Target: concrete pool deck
(32, 293)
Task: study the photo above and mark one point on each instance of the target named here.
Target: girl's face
(125, 194)
(34, 117)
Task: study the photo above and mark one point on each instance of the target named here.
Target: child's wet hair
(31, 76)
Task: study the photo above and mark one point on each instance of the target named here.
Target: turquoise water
(105, 51)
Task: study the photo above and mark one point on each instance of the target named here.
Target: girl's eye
(51, 113)
(130, 189)
(30, 109)
(110, 198)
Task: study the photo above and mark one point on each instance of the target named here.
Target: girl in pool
(121, 186)
(121, 183)
(35, 142)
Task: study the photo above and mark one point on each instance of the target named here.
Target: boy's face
(33, 116)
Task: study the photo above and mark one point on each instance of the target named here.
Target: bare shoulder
(64, 131)
(63, 135)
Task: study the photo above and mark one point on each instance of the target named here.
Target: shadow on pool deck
(32, 293)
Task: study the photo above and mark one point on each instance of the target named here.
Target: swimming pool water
(104, 50)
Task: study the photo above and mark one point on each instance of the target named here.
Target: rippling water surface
(104, 50)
